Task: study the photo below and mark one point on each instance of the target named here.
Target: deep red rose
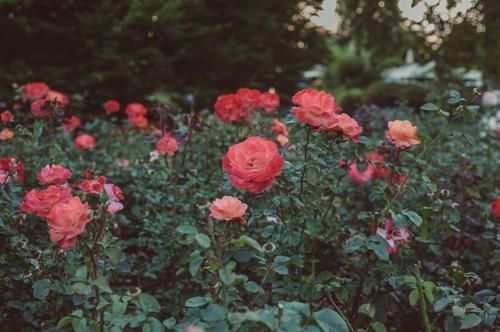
(269, 101)
(230, 109)
(112, 106)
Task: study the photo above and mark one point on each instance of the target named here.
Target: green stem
(421, 299)
(304, 169)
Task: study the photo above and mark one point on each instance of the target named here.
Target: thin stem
(304, 169)
(332, 302)
(421, 299)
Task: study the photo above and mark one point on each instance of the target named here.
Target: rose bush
(169, 219)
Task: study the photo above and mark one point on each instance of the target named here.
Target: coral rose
(92, 186)
(10, 167)
(346, 125)
(360, 177)
(6, 134)
(316, 108)
(279, 127)
(67, 221)
(85, 142)
(228, 208)
(55, 174)
(58, 97)
(269, 101)
(253, 164)
(34, 91)
(7, 116)
(112, 106)
(39, 203)
(230, 108)
(402, 133)
(167, 145)
(495, 208)
(71, 123)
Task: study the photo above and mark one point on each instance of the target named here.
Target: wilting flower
(6, 134)
(269, 101)
(41, 109)
(34, 91)
(55, 174)
(92, 186)
(345, 125)
(316, 108)
(11, 168)
(39, 203)
(393, 236)
(85, 142)
(71, 123)
(115, 195)
(230, 108)
(402, 133)
(228, 208)
(253, 164)
(249, 98)
(67, 221)
(58, 97)
(495, 208)
(112, 106)
(6, 116)
(167, 145)
(279, 127)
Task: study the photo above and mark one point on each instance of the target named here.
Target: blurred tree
(491, 11)
(126, 49)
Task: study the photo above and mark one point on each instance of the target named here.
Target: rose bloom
(393, 236)
(495, 208)
(381, 171)
(269, 101)
(7, 116)
(395, 181)
(249, 98)
(11, 168)
(360, 177)
(228, 208)
(34, 91)
(230, 109)
(84, 142)
(282, 139)
(402, 133)
(92, 186)
(346, 125)
(316, 108)
(167, 145)
(115, 195)
(6, 134)
(138, 121)
(135, 109)
(71, 123)
(39, 203)
(279, 127)
(253, 164)
(55, 174)
(41, 109)
(55, 96)
(112, 106)
(67, 221)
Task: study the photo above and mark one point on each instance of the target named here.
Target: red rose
(112, 106)
(269, 101)
(67, 221)
(316, 108)
(138, 121)
(135, 109)
(167, 145)
(230, 108)
(92, 186)
(41, 109)
(55, 174)
(71, 123)
(40, 203)
(34, 91)
(228, 208)
(11, 168)
(495, 208)
(249, 98)
(360, 177)
(7, 116)
(84, 142)
(253, 164)
(54, 96)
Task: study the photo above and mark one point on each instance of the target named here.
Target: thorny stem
(304, 169)
(421, 299)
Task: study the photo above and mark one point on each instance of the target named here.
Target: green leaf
(330, 321)
(413, 297)
(194, 265)
(281, 269)
(113, 253)
(248, 241)
(81, 288)
(367, 309)
(41, 288)
(414, 217)
(455, 94)
(469, 321)
(212, 313)
(429, 107)
(378, 327)
(148, 303)
(152, 324)
(203, 240)
(169, 323)
(103, 284)
(378, 245)
(186, 229)
(441, 304)
(65, 321)
(196, 301)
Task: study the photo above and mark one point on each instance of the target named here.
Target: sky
(328, 18)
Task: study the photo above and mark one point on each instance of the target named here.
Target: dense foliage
(384, 221)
